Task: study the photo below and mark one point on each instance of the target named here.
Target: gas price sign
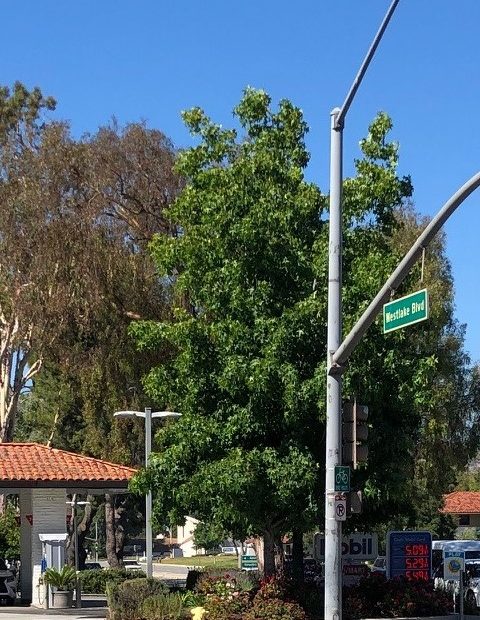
(409, 554)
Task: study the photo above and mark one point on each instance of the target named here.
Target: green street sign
(249, 562)
(342, 478)
(405, 311)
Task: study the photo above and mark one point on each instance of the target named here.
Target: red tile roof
(31, 464)
(462, 502)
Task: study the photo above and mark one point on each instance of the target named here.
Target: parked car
(8, 584)
(380, 565)
(132, 565)
(93, 566)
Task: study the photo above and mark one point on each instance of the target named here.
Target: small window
(464, 520)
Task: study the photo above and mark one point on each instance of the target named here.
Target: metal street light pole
(148, 499)
(333, 457)
(78, 589)
(148, 415)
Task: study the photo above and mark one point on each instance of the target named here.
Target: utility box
(53, 556)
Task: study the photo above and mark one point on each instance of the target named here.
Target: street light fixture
(148, 414)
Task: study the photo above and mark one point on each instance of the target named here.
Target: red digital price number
(417, 550)
(412, 575)
(417, 562)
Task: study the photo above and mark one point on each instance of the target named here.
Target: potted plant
(64, 582)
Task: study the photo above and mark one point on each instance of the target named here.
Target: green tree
(9, 533)
(245, 326)
(207, 536)
(247, 276)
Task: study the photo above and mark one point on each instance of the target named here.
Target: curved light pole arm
(339, 121)
(342, 354)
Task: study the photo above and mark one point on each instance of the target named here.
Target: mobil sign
(355, 546)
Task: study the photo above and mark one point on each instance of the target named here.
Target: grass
(217, 561)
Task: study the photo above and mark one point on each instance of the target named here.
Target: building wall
(185, 538)
(42, 511)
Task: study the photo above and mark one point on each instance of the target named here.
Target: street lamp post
(148, 415)
(78, 590)
(333, 457)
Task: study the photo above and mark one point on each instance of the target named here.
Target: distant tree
(208, 536)
(20, 134)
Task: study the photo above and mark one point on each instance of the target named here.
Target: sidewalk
(22, 613)
(94, 609)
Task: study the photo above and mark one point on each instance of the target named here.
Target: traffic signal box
(355, 433)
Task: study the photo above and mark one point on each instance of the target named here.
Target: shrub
(95, 581)
(125, 599)
(374, 596)
(227, 593)
(192, 579)
(225, 582)
(274, 600)
(274, 609)
(163, 607)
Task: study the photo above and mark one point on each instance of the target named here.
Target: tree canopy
(247, 337)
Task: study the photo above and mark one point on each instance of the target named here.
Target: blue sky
(151, 59)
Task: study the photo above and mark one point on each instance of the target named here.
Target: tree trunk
(279, 555)
(268, 553)
(297, 558)
(83, 527)
(111, 543)
(115, 514)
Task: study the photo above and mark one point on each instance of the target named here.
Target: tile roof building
(34, 465)
(42, 477)
(462, 503)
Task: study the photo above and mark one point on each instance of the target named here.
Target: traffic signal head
(355, 431)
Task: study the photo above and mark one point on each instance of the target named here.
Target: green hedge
(95, 581)
(125, 599)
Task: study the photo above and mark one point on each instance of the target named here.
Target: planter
(62, 599)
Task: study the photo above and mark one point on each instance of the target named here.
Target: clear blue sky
(150, 59)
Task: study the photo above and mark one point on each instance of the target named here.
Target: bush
(95, 581)
(274, 609)
(125, 599)
(376, 597)
(163, 607)
(227, 593)
(225, 582)
(192, 579)
(274, 600)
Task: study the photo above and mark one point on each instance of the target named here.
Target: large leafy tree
(247, 339)
(245, 336)
(74, 218)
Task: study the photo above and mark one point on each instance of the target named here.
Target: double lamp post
(148, 415)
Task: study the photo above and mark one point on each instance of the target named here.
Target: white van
(471, 548)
